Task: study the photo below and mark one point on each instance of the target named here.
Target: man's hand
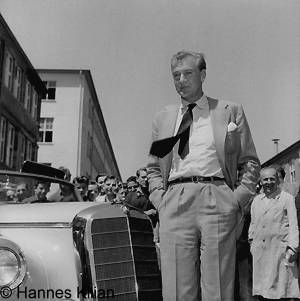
(150, 212)
(290, 256)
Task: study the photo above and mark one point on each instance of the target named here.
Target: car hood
(43, 213)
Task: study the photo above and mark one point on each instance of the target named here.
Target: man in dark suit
(202, 172)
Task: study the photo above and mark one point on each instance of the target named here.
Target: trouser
(198, 224)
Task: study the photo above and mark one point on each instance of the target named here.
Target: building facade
(21, 90)
(72, 128)
(289, 159)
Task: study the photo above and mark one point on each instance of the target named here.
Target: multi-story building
(289, 159)
(21, 90)
(72, 128)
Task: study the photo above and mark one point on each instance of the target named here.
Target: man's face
(100, 182)
(21, 192)
(82, 188)
(131, 186)
(269, 180)
(110, 186)
(41, 191)
(188, 79)
(142, 179)
(92, 191)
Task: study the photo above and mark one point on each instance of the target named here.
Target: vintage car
(67, 249)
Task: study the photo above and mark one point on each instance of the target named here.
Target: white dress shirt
(202, 159)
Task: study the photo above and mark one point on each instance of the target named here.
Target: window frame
(9, 71)
(50, 85)
(18, 80)
(3, 127)
(34, 103)
(43, 128)
(10, 143)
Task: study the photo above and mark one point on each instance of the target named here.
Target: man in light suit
(202, 172)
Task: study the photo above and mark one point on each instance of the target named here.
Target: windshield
(16, 188)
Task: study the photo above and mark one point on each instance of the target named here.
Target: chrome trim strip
(132, 256)
(36, 225)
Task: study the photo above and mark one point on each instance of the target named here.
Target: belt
(195, 179)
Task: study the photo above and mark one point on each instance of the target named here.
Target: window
(34, 104)
(22, 147)
(9, 71)
(292, 172)
(3, 125)
(46, 130)
(10, 145)
(51, 90)
(17, 91)
(28, 96)
(28, 153)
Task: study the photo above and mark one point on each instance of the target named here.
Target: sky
(252, 50)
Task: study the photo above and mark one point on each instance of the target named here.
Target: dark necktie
(161, 148)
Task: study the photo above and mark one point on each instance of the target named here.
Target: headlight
(12, 264)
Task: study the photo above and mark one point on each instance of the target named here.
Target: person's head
(67, 173)
(132, 184)
(81, 183)
(189, 71)
(121, 194)
(21, 191)
(100, 179)
(269, 180)
(110, 185)
(41, 189)
(280, 172)
(92, 192)
(142, 177)
(124, 188)
(10, 195)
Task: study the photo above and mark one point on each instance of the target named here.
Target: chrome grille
(125, 258)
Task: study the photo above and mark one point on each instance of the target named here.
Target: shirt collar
(201, 103)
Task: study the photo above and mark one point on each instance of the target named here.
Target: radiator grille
(125, 258)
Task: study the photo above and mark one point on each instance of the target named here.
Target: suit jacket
(235, 150)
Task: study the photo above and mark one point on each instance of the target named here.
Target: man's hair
(138, 172)
(269, 167)
(110, 178)
(183, 53)
(100, 175)
(131, 179)
(66, 171)
(81, 180)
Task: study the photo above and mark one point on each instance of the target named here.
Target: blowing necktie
(161, 148)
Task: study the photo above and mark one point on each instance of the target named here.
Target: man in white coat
(274, 239)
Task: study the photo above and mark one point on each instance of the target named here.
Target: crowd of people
(108, 189)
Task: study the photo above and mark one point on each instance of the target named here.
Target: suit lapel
(168, 128)
(169, 122)
(220, 115)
